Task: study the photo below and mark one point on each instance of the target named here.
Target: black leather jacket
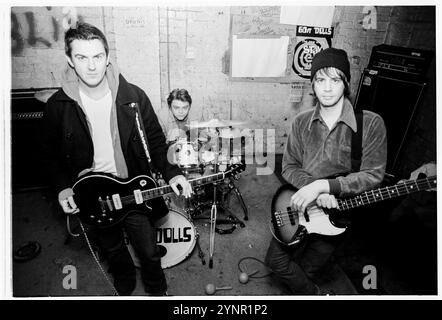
(68, 147)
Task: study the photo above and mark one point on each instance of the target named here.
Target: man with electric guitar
(101, 131)
(331, 150)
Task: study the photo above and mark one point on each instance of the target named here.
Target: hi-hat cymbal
(212, 123)
(228, 133)
(215, 123)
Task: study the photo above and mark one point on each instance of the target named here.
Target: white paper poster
(259, 57)
(317, 16)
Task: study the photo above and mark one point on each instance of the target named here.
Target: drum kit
(211, 152)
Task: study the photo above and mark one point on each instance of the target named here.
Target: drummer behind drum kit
(176, 234)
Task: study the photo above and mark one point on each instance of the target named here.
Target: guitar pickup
(138, 196)
(117, 201)
(291, 215)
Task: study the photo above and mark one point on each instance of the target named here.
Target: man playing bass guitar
(318, 148)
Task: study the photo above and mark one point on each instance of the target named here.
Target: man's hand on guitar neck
(181, 181)
(326, 200)
(309, 193)
(67, 202)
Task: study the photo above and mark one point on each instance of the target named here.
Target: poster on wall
(259, 56)
(309, 41)
(318, 16)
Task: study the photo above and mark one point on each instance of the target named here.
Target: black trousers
(141, 232)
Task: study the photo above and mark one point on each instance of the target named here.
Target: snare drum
(207, 157)
(176, 238)
(187, 156)
(224, 161)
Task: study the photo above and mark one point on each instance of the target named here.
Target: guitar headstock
(235, 169)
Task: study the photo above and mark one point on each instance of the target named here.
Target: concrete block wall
(137, 48)
(162, 48)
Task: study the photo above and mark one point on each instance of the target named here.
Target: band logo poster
(309, 41)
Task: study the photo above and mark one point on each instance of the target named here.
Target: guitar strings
(399, 187)
(131, 198)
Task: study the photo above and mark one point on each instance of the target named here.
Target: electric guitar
(104, 201)
(289, 227)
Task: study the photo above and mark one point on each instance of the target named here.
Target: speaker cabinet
(396, 101)
(27, 171)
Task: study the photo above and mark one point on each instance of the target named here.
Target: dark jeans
(295, 266)
(141, 233)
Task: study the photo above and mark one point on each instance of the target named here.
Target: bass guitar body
(290, 227)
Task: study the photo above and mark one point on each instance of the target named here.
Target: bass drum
(176, 238)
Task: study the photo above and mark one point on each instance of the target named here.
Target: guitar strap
(356, 142)
(142, 134)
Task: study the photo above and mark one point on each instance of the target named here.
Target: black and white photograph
(273, 151)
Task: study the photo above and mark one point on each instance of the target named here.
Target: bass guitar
(289, 227)
(104, 201)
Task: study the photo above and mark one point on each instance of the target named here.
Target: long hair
(83, 31)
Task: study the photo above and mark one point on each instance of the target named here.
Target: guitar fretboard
(388, 192)
(161, 191)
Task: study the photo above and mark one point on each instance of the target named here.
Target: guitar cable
(68, 225)
(98, 262)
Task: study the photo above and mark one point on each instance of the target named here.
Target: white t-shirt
(98, 113)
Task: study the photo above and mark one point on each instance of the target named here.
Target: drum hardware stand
(197, 237)
(213, 213)
(224, 187)
(232, 187)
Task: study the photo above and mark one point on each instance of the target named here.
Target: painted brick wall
(37, 45)
(137, 48)
(161, 48)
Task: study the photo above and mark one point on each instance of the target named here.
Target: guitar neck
(389, 192)
(161, 191)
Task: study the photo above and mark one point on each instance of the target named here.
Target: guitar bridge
(102, 205)
(277, 218)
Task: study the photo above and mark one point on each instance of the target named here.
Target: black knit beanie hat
(331, 57)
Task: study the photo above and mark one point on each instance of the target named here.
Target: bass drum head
(176, 238)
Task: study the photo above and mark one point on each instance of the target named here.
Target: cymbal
(236, 123)
(228, 133)
(215, 123)
(212, 123)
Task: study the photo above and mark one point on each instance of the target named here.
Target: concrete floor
(36, 218)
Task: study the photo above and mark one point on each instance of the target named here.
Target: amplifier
(26, 128)
(400, 62)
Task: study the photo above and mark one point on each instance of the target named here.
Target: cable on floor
(252, 275)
